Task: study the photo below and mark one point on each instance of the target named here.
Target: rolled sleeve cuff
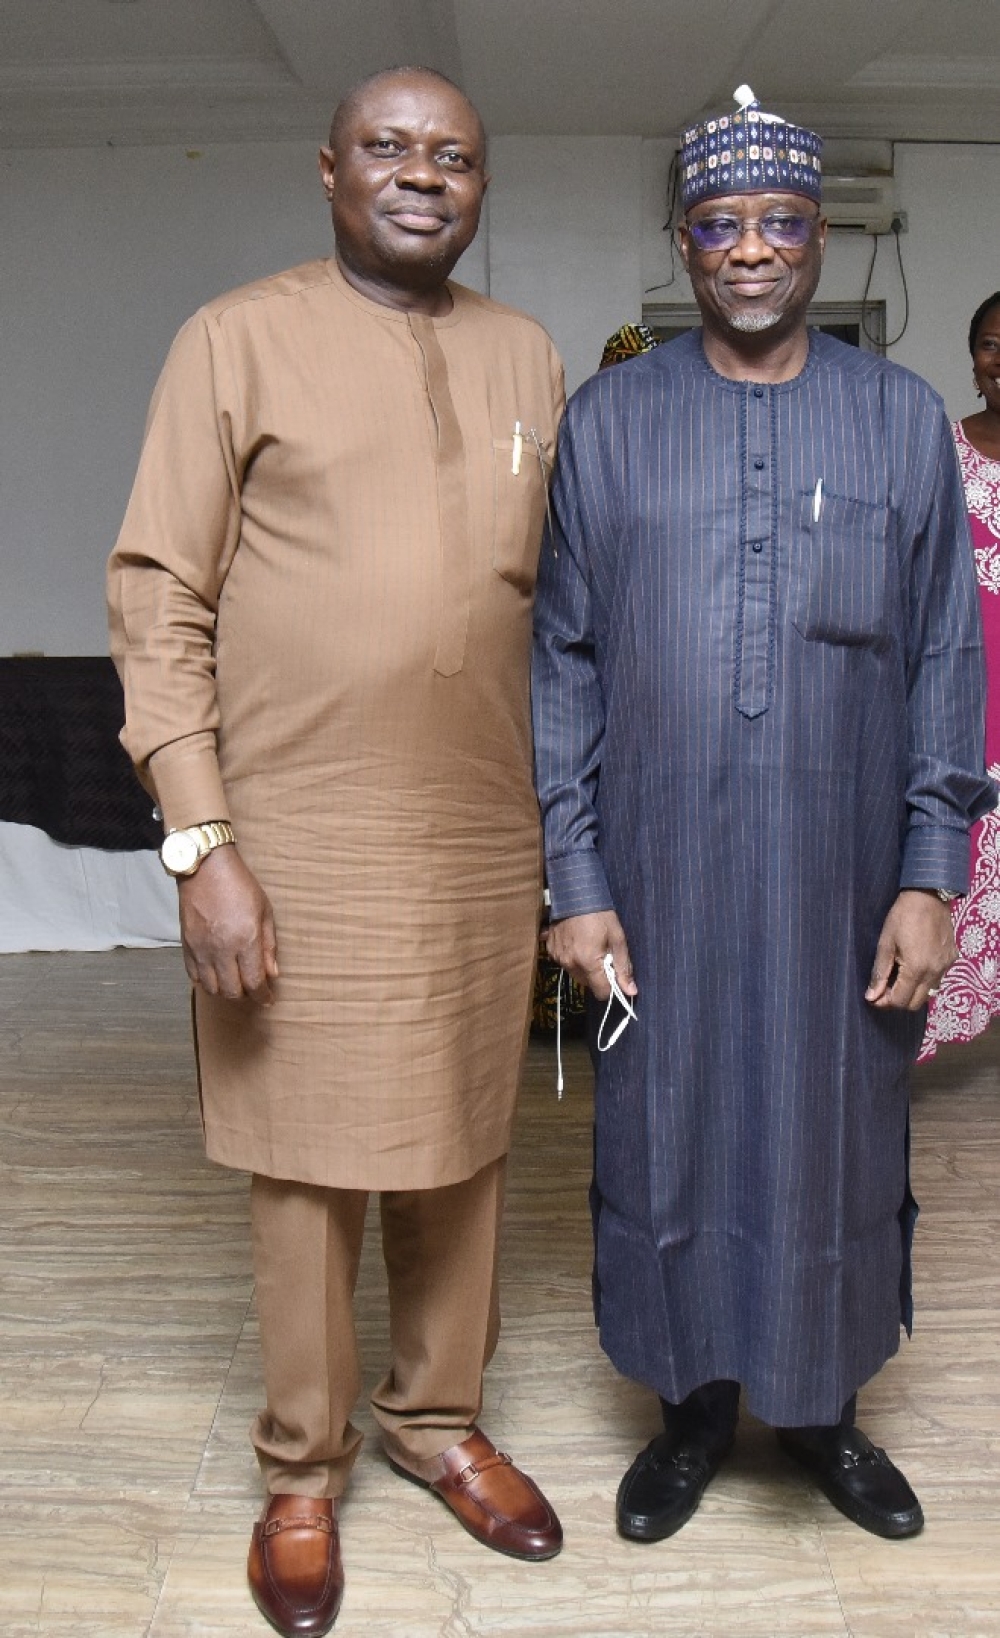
(188, 785)
(577, 885)
(936, 856)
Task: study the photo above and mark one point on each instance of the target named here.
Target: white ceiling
(83, 72)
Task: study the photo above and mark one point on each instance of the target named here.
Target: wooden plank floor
(128, 1376)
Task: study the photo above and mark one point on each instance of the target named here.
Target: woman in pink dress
(970, 993)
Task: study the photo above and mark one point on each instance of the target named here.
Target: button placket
(455, 567)
(754, 671)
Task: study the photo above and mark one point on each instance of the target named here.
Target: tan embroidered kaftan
(321, 608)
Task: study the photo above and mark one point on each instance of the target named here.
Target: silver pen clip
(545, 470)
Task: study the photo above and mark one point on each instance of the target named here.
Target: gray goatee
(752, 323)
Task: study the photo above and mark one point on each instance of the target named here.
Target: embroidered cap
(748, 152)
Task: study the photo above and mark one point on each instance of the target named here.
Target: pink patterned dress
(970, 993)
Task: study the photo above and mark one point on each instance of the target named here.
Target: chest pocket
(839, 577)
(519, 510)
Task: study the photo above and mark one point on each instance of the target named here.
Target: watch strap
(215, 833)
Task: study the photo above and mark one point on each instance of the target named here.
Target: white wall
(952, 256)
(566, 237)
(104, 252)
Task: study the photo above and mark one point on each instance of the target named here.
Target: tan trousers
(440, 1248)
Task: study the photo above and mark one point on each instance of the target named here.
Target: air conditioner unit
(859, 204)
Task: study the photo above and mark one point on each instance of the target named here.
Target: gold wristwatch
(183, 850)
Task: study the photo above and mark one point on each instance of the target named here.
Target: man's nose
(420, 170)
(752, 247)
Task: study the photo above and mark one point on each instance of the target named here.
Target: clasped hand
(227, 929)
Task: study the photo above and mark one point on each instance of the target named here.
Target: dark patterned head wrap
(748, 152)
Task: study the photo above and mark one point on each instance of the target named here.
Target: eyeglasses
(781, 230)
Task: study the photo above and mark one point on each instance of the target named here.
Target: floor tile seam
(14, 1358)
(240, 1333)
(23, 1497)
(185, 1509)
(978, 1196)
(193, 1492)
(848, 1629)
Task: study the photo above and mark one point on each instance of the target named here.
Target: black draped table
(62, 768)
(78, 867)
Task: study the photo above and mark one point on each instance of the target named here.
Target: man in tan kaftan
(321, 609)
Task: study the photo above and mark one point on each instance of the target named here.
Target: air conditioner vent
(859, 204)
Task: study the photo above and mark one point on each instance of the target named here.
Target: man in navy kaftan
(758, 717)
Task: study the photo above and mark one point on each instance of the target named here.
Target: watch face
(179, 852)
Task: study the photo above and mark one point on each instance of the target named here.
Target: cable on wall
(673, 217)
(896, 230)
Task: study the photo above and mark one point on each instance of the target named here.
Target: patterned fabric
(543, 1009)
(970, 993)
(752, 726)
(627, 342)
(749, 152)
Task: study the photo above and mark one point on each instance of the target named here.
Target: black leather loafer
(857, 1477)
(665, 1483)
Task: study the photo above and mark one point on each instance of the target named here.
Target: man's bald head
(405, 174)
(349, 105)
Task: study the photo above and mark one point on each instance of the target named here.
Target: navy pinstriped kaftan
(753, 726)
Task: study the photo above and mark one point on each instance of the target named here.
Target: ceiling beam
(799, 54)
(330, 48)
(584, 66)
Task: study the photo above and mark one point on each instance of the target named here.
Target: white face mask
(617, 994)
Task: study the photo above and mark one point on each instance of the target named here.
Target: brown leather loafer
(294, 1567)
(493, 1499)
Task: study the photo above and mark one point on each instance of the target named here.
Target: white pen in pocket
(817, 500)
(515, 463)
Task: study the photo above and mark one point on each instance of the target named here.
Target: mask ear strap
(617, 994)
(559, 1067)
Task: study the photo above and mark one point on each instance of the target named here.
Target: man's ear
(684, 244)
(327, 164)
